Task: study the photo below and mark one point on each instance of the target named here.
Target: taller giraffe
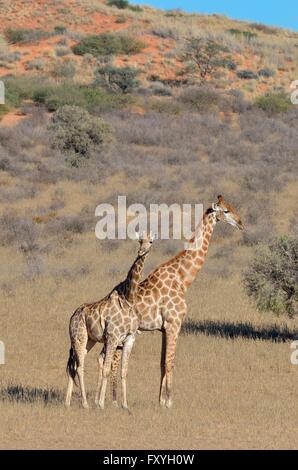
(160, 299)
(112, 321)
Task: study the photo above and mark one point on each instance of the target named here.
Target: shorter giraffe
(112, 321)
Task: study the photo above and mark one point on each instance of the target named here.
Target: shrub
(267, 73)
(76, 133)
(160, 89)
(263, 28)
(225, 63)
(271, 279)
(24, 36)
(200, 98)
(116, 78)
(120, 20)
(60, 29)
(35, 64)
(121, 4)
(245, 34)
(19, 231)
(69, 93)
(273, 103)
(166, 32)
(63, 70)
(108, 44)
(246, 75)
(63, 51)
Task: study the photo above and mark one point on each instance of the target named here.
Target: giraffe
(112, 321)
(160, 298)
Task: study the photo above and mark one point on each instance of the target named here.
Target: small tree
(76, 132)
(203, 54)
(118, 79)
(272, 277)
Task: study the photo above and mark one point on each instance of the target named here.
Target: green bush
(266, 73)
(201, 98)
(247, 75)
(108, 44)
(273, 103)
(77, 133)
(90, 98)
(124, 4)
(55, 95)
(66, 69)
(121, 4)
(24, 36)
(117, 78)
(60, 30)
(272, 280)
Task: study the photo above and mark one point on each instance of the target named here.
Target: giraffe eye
(226, 211)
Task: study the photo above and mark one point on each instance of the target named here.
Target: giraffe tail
(71, 367)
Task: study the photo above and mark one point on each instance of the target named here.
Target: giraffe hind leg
(114, 374)
(82, 348)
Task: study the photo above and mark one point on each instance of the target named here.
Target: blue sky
(278, 13)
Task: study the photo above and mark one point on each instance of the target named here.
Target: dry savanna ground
(174, 140)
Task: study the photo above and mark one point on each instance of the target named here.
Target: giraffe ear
(220, 198)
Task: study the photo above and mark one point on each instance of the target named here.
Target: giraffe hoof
(125, 408)
(115, 403)
(162, 402)
(67, 405)
(85, 406)
(169, 403)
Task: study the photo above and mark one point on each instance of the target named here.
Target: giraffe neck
(133, 278)
(191, 260)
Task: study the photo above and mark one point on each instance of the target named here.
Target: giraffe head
(225, 212)
(145, 241)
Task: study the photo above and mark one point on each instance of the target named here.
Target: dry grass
(234, 383)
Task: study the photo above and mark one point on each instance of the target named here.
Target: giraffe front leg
(110, 350)
(171, 342)
(99, 380)
(127, 348)
(114, 374)
(162, 393)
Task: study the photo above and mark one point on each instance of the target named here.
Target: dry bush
(271, 278)
(20, 232)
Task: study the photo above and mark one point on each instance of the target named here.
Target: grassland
(234, 384)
